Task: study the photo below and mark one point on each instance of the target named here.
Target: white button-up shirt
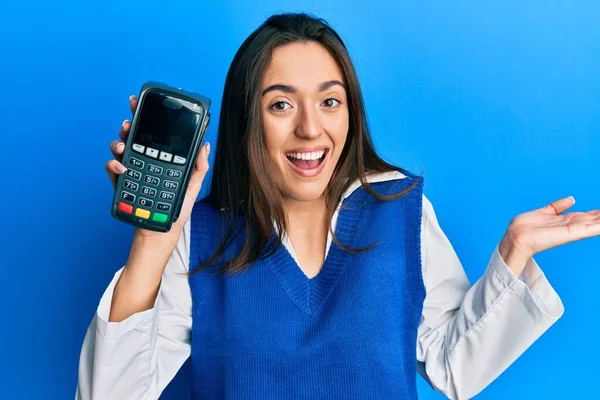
(467, 336)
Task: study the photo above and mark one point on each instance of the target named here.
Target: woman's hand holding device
(150, 251)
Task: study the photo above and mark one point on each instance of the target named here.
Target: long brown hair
(241, 184)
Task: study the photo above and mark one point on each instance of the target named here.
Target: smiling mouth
(307, 161)
(310, 164)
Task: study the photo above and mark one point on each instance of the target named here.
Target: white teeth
(315, 155)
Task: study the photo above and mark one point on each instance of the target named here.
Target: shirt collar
(373, 178)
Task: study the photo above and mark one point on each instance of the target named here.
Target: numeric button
(152, 180)
(170, 185)
(146, 191)
(133, 174)
(130, 185)
(145, 202)
(167, 196)
(136, 163)
(174, 173)
(155, 169)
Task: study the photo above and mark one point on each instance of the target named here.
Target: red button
(126, 208)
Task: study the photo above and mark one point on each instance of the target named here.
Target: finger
(132, 103)
(579, 218)
(111, 175)
(124, 132)
(115, 167)
(199, 172)
(200, 161)
(559, 206)
(195, 184)
(583, 216)
(117, 148)
(588, 230)
(595, 229)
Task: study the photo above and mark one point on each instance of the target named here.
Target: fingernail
(120, 168)
(123, 124)
(207, 149)
(573, 199)
(120, 145)
(131, 97)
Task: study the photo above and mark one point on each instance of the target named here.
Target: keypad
(149, 190)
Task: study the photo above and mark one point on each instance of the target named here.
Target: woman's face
(305, 114)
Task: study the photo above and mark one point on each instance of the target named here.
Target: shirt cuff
(532, 287)
(140, 320)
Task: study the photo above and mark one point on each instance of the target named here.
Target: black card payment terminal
(166, 132)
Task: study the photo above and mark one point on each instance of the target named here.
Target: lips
(308, 168)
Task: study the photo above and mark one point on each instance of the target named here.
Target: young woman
(313, 268)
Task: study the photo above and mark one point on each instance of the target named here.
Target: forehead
(301, 64)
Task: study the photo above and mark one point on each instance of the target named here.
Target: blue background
(498, 102)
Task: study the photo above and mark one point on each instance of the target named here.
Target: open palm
(547, 227)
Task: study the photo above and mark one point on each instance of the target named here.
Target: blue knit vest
(272, 333)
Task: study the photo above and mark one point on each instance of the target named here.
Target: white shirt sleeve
(468, 335)
(137, 357)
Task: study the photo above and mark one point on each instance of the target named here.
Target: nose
(308, 125)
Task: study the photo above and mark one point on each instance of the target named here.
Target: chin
(306, 191)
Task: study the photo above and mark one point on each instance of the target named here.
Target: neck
(306, 220)
(308, 212)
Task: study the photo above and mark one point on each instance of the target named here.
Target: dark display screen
(167, 124)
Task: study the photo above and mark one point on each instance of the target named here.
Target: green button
(158, 217)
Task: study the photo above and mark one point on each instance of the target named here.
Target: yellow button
(140, 212)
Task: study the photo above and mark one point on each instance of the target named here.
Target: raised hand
(542, 229)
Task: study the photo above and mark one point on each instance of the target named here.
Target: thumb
(559, 206)
(200, 170)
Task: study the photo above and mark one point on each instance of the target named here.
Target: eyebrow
(292, 89)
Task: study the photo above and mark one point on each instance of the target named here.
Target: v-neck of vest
(309, 294)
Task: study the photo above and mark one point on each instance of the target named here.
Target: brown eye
(331, 102)
(279, 106)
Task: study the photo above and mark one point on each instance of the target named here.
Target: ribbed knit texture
(349, 333)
